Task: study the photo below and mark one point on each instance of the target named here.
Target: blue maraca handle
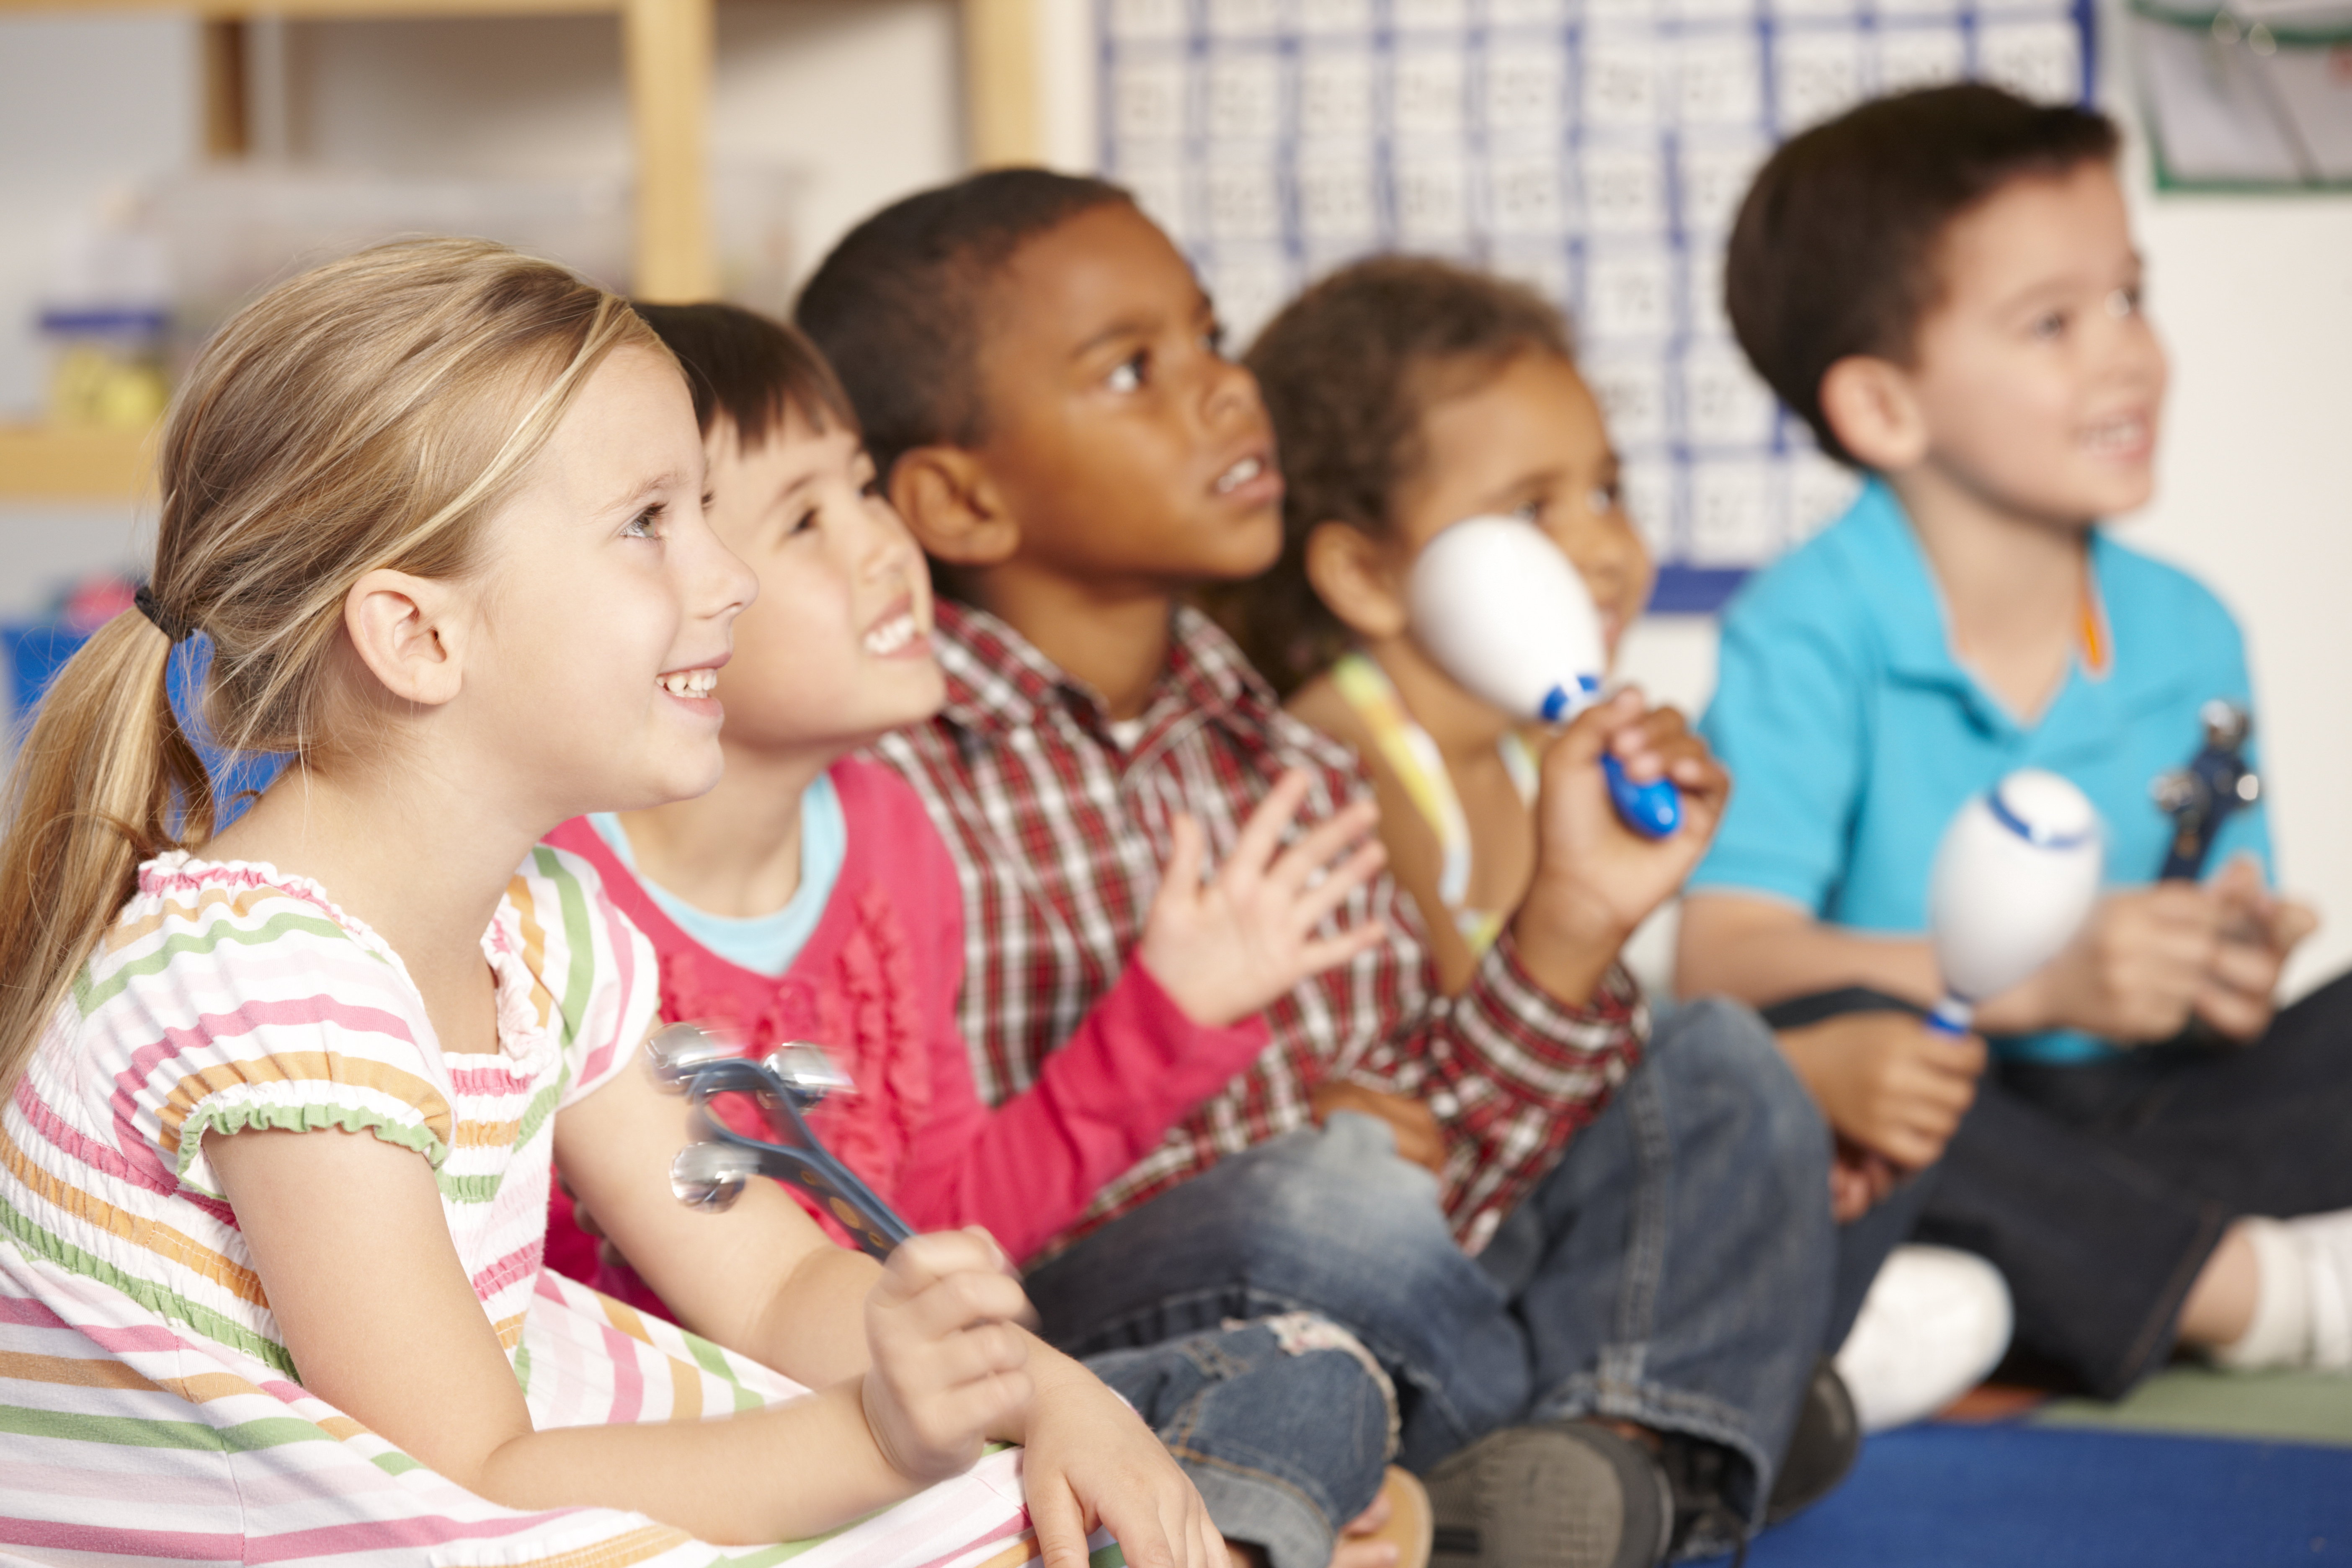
(1653, 810)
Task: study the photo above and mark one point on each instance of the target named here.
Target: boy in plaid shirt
(1600, 1267)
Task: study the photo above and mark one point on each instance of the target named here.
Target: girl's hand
(1888, 1084)
(950, 1368)
(1225, 948)
(1596, 878)
(1092, 1463)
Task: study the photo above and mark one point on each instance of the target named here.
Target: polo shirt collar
(1916, 627)
(998, 681)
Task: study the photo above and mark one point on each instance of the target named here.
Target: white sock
(2279, 1333)
(2324, 1240)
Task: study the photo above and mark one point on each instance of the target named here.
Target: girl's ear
(1354, 575)
(1871, 408)
(404, 630)
(951, 507)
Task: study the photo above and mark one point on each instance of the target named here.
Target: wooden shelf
(666, 48)
(40, 462)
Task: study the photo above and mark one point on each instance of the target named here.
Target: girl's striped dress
(147, 1408)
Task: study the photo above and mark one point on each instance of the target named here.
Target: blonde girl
(285, 1101)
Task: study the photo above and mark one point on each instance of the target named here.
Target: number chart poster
(1596, 148)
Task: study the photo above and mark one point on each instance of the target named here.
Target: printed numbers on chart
(2040, 60)
(1718, 81)
(1428, 88)
(1244, 99)
(1432, 204)
(1621, 83)
(1632, 391)
(1624, 190)
(1714, 177)
(1335, 97)
(1336, 204)
(1724, 404)
(1734, 513)
(1148, 19)
(1148, 101)
(1244, 201)
(1912, 57)
(1628, 296)
(1244, 18)
(1524, 91)
(1815, 76)
(1345, 18)
(1527, 195)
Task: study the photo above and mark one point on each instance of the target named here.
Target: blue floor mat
(1974, 1497)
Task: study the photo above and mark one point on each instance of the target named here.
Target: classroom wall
(2253, 294)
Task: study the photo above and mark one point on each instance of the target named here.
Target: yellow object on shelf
(91, 384)
(52, 462)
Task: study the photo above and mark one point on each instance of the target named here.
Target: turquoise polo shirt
(1853, 733)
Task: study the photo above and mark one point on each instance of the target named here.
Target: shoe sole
(1557, 1495)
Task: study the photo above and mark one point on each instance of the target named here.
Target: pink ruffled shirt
(876, 986)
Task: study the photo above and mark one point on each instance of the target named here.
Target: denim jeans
(1285, 1432)
(2099, 1189)
(1673, 1270)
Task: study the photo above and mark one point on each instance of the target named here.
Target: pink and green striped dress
(147, 1407)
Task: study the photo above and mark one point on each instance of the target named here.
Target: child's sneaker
(1558, 1494)
(1936, 1322)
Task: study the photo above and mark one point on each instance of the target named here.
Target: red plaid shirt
(1060, 831)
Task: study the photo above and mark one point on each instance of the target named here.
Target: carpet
(1951, 1496)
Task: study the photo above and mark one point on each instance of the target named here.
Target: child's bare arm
(1225, 948)
(1762, 951)
(1595, 880)
(2148, 959)
(930, 1346)
(347, 1236)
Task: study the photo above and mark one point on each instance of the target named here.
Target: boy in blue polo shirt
(1944, 286)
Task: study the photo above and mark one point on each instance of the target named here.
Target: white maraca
(1499, 607)
(2014, 879)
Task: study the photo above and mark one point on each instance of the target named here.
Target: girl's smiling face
(1527, 440)
(603, 612)
(838, 649)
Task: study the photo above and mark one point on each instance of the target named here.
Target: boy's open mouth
(2125, 433)
(1240, 474)
(691, 683)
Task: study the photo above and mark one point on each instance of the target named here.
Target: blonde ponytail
(369, 414)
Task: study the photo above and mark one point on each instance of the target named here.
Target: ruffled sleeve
(595, 986)
(226, 999)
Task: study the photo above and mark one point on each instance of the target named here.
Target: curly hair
(1348, 370)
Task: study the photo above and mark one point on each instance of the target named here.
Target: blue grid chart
(1597, 149)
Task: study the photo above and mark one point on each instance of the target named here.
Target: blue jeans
(1287, 1438)
(1674, 1268)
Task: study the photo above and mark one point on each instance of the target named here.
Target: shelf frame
(667, 49)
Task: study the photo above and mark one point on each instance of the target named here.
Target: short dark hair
(1836, 247)
(1348, 370)
(750, 368)
(899, 306)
